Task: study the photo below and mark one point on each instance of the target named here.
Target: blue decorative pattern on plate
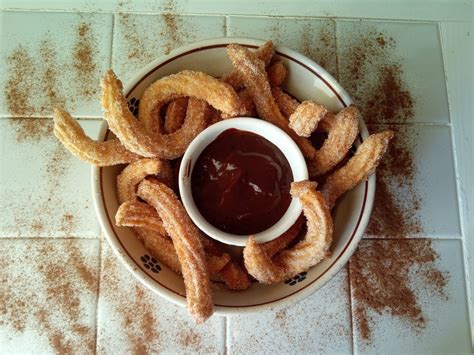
(151, 263)
(298, 278)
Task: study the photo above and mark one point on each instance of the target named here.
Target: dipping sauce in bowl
(241, 183)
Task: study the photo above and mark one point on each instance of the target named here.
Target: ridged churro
(73, 137)
(254, 76)
(358, 168)
(175, 115)
(185, 237)
(307, 253)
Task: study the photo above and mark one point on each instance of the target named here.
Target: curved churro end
(265, 53)
(277, 73)
(342, 132)
(134, 173)
(253, 74)
(133, 213)
(260, 265)
(358, 168)
(307, 253)
(121, 121)
(235, 277)
(286, 103)
(72, 136)
(190, 83)
(175, 115)
(186, 240)
(304, 120)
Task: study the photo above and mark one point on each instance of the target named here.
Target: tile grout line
(337, 49)
(112, 30)
(351, 312)
(227, 335)
(224, 334)
(226, 24)
(464, 250)
(292, 17)
(97, 299)
(350, 304)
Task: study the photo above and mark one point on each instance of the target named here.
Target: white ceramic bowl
(268, 131)
(306, 80)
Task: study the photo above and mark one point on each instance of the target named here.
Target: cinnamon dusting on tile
(85, 68)
(31, 130)
(381, 272)
(49, 80)
(395, 215)
(133, 308)
(191, 340)
(320, 46)
(171, 32)
(134, 40)
(18, 86)
(38, 131)
(381, 279)
(374, 77)
(45, 295)
(35, 75)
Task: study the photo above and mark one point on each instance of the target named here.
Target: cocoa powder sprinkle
(380, 279)
(380, 269)
(85, 68)
(35, 80)
(55, 308)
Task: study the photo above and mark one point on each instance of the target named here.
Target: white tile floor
(53, 47)
(123, 316)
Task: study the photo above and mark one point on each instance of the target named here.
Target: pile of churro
(172, 112)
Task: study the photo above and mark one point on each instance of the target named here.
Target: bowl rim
(224, 310)
(259, 127)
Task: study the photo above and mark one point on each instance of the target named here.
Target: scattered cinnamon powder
(391, 101)
(134, 40)
(49, 77)
(18, 86)
(381, 272)
(320, 46)
(381, 280)
(395, 214)
(67, 224)
(36, 81)
(31, 130)
(52, 301)
(133, 307)
(85, 68)
(374, 77)
(191, 340)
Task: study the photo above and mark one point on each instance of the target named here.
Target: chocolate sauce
(241, 183)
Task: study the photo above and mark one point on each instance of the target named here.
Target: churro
(73, 137)
(134, 173)
(304, 120)
(264, 52)
(175, 115)
(185, 237)
(254, 76)
(358, 168)
(277, 73)
(307, 253)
